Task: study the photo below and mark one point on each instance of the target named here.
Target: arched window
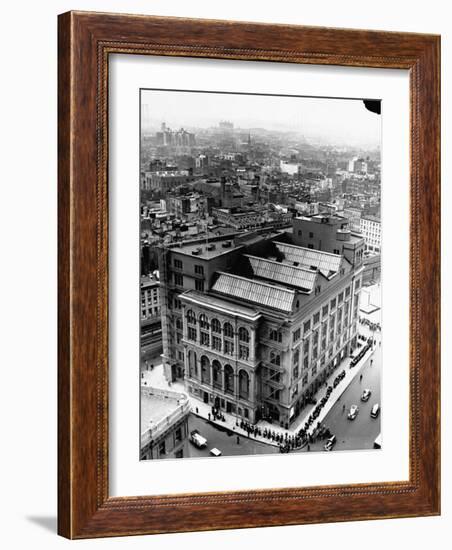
(228, 330)
(244, 385)
(216, 326)
(228, 379)
(244, 335)
(275, 358)
(203, 321)
(216, 373)
(205, 370)
(191, 317)
(192, 364)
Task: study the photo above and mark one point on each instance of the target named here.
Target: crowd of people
(288, 442)
(372, 326)
(361, 353)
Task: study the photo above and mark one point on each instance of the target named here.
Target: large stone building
(256, 324)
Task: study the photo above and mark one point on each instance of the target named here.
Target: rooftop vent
(196, 251)
(227, 244)
(210, 247)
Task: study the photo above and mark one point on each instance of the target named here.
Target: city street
(361, 432)
(224, 440)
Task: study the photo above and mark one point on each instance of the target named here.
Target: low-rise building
(164, 424)
(371, 229)
(151, 325)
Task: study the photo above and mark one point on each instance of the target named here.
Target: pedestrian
(343, 407)
(209, 416)
(360, 377)
(142, 375)
(238, 440)
(197, 411)
(371, 362)
(309, 447)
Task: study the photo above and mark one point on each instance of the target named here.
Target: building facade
(371, 230)
(151, 325)
(267, 325)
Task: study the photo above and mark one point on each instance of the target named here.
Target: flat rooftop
(156, 405)
(205, 249)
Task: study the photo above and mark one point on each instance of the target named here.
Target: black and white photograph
(260, 280)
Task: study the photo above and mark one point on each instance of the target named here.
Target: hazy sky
(344, 121)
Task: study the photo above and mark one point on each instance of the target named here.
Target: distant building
(179, 142)
(238, 218)
(357, 165)
(226, 126)
(151, 326)
(163, 182)
(202, 163)
(289, 168)
(191, 206)
(371, 229)
(150, 297)
(354, 218)
(164, 424)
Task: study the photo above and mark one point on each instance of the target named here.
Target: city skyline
(332, 120)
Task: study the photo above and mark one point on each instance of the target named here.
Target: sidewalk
(156, 378)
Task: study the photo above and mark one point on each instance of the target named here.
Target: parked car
(197, 439)
(366, 394)
(330, 443)
(215, 452)
(353, 412)
(375, 411)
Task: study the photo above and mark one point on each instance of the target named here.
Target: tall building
(179, 141)
(255, 325)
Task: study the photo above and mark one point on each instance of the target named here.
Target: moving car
(330, 443)
(366, 394)
(375, 411)
(353, 412)
(197, 439)
(215, 452)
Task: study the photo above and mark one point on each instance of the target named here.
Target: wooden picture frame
(86, 40)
